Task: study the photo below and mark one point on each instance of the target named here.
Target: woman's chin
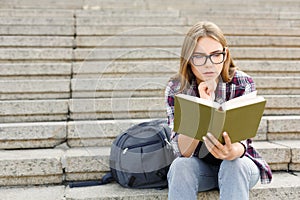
(210, 77)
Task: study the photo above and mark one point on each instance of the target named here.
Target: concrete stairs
(76, 74)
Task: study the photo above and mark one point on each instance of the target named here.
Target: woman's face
(213, 66)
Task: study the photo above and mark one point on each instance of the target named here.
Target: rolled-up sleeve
(169, 101)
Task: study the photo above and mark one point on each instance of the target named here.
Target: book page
(200, 100)
(241, 101)
(242, 98)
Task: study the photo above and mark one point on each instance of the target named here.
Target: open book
(239, 117)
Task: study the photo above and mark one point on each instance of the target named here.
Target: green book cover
(239, 117)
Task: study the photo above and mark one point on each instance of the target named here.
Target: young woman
(207, 71)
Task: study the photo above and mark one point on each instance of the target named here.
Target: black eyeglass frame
(209, 56)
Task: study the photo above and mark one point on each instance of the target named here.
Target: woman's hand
(228, 151)
(207, 89)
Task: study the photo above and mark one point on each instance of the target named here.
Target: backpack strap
(107, 178)
(131, 181)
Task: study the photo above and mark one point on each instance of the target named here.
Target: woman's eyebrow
(202, 53)
(216, 51)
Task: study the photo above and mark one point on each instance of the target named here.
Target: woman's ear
(226, 53)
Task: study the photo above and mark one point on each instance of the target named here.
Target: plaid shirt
(240, 84)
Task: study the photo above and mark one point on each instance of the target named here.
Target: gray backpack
(141, 156)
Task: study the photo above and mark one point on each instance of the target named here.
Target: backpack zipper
(139, 145)
(164, 138)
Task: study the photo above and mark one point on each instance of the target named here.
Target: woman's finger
(216, 152)
(227, 140)
(215, 141)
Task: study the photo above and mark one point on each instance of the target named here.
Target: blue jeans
(234, 179)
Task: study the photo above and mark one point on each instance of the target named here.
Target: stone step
(282, 105)
(43, 4)
(33, 110)
(125, 53)
(269, 68)
(282, 15)
(94, 161)
(31, 167)
(152, 5)
(163, 68)
(114, 108)
(118, 87)
(36, 41)
(55, 54)
(227, 21)
(33, 20)
(34, 89)
(117, 108)
(238, 14)
(262, 6)
(33, 193)
(127, 21)
(176, 41)
(41, 30)
(138, 41)
(154, 86)
(36, 12)
(112, 54)
(265, 53)
(180, 30)
(49, 166)
(25, 22)
(29, 71)
(279, 157)
(101, 133)
(126, 13)
(277, 85)
(191, 20)
(129, 41)
(32, 135)
(135, 107)
(113, 69)
(174, 53)
(283, 186)
(283, 127)
(294, 145)
(87, 4)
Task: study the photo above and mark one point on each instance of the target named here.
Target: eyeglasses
(215, 58)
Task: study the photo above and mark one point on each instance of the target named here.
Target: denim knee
(239, 170)
(182, 179)
(194, 173)
(182, 167)
(238, 165)
(232, 165)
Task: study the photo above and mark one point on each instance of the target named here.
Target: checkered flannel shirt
(240, 84)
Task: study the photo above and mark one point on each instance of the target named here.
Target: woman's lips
(209, 73)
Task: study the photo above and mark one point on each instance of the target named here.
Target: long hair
(202, 29)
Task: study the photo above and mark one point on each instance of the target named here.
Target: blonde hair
(202, 29)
